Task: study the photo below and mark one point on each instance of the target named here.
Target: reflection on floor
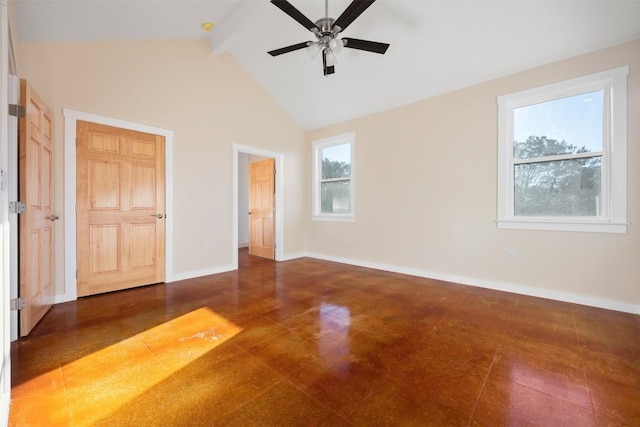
(309, 342)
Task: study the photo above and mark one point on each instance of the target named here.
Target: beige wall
(426, 173)
(209, 101)
(426, 197)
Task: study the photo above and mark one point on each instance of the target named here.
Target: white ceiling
(436, 45)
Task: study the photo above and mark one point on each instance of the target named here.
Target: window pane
(336, 161)
(563, 126)
(559, 188)
(335, 197)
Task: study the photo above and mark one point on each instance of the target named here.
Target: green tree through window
(335, 169)
(335, 194)
(563, 187)
(562, 155)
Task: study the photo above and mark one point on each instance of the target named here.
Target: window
(562, 152)
(333, 178)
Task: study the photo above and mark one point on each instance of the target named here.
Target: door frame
(279, 182)
(8, 260)
(70, 253)
(13, 92)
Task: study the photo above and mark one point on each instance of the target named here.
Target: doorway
(241, 156)
(256, 205)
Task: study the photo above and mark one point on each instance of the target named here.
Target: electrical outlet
(208, 245)
(512, 256)
(349, 240)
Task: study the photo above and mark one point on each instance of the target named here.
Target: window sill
(557, 225)
(334, 218)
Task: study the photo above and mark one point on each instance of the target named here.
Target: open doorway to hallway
(256, 205)
(258, 202)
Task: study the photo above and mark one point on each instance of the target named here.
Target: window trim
(614, 153)
(317, 214)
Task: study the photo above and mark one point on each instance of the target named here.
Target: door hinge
(17, 304)
(17, 207)
(16, 110)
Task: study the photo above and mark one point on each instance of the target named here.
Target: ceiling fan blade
(352, 11)
(367, 45)
(288, 49)
(327, 70)
(290, 10)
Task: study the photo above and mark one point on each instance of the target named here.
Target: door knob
(159, 216)
(54, 217)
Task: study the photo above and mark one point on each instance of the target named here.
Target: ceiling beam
(225, 31)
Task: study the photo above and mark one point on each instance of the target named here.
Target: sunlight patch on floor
(110, 378)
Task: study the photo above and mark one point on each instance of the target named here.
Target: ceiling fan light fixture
(331, 58)
(313, 50)
(336, 45)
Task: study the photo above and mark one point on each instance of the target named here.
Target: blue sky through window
(340, 153)
(576, 120)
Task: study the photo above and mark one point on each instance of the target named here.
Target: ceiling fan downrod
(328, 41)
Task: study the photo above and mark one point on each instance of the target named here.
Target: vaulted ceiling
(436, 45)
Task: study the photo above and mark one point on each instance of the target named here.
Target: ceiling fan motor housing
(326, 27)
(326, 30)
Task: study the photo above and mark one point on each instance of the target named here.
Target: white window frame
(318, 146)
(613, 218)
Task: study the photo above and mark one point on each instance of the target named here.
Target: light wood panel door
(35, 151)
(120, 208)
(261, 208)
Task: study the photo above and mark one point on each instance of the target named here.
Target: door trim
(13, 92)
(6, 52)
(70, 263)
(279, 220)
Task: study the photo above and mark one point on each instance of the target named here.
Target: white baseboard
(5, 386)
(243, 245)
(289, 257)
(199, 273)
(463, 280)
(488, 284)
(59, 299)
(4, 411)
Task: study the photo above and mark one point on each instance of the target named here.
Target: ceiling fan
(327, 31)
